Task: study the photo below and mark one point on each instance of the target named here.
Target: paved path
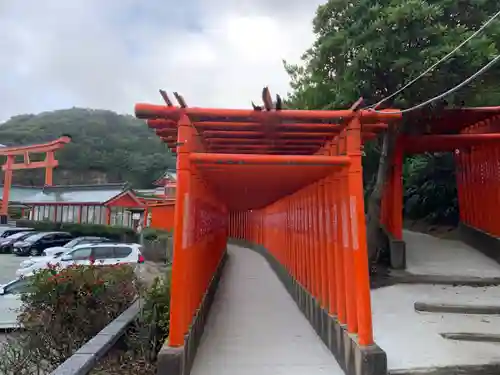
(413, 339)
(429, 255)
(255, 327)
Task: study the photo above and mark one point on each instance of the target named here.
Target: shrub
(151, 234)
(63, 310)
(156, 312)
(122, 234)
(430, 189)
(146, 337)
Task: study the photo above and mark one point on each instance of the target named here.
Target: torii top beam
(151, 111)
(36, 148)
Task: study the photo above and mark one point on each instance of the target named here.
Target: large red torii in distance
(11, 165)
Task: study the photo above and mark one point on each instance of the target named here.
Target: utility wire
(450, 91)
(374, 106)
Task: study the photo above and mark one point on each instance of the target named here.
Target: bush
(62, 311)
(121, 234)
(154, 322)
(145, 338)
(66, 308)
(151, 234)
(430, 189)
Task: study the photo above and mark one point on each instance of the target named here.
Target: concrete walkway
(412, 339)
(428, 255)
(254, 326)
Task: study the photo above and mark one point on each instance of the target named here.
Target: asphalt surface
(8, 266)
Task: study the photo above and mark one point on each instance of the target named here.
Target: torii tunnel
(290, 181)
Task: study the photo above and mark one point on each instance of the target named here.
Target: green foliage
(113, 233)
(63, 310)
(156, 313)
(105, 146)
(371, 48)
(66, 308)
(146, 337)
(429, 180)
(151, 234)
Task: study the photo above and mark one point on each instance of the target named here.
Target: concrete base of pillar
(397, 250)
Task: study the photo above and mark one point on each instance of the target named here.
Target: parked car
(10, 302)
(71, 244)
(53, 252)
(6, 231)
(103, 254)
(7, 242)
(34, 245)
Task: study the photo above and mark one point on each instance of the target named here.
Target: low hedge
(114, 233)
(151, 234)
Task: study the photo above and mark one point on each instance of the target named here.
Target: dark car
(7, 242)
(38, 242)
(8, 231)
(58, 250)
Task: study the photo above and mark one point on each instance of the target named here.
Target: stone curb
(85, 358)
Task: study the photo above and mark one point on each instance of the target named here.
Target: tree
(105, 147)
(370, 48)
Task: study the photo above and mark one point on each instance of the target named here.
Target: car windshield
(73, 243)
(34, 237)
(19, 235)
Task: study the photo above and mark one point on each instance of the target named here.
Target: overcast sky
(113, 53)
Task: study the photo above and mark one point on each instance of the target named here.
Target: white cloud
(114, 53)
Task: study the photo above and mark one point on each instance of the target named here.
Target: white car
(102, 254)
(36, 260)
(58, 250)
(10, 302)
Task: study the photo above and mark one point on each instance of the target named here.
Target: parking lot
(8, 265)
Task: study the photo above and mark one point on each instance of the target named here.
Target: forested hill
(105, 147)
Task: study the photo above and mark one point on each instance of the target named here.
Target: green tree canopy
(370, 48)
(116, 148)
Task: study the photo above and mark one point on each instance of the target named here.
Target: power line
(450, 91)
(374, 106)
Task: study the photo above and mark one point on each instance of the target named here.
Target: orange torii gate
(287, 181)
(473, 135)
(11, 165)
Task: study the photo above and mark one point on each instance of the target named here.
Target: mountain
(105, 147)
